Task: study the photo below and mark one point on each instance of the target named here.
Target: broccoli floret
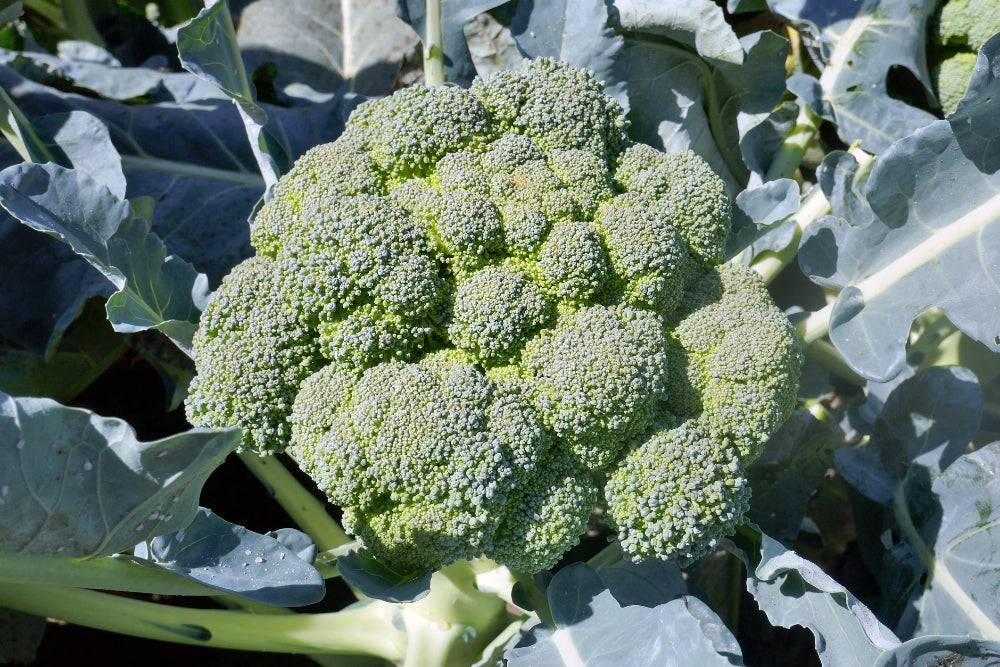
(677, 493)
(478, 314)
(959, 28)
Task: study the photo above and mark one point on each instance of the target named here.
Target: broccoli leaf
(208, 49)
(698, 24)
(88, 348)
(324, 43)
(705, 105)
(20, 636)
(793, 591)
(928, 421)
(791, 469)
(154, 291)
(376, 580)
(84, 486)
(577, 32)
(235, 560)
(953, 531)
(936, 197)
(937, 650)
(593, 628)
(859, 42)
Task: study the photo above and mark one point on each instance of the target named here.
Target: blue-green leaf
(704, 105)
(928, 421)
(208, 48)
(361, 570)
(940, 650)
(154, 291)
(576, 31)
(790, 471)
(593, 628)
(458, 66)
(935, 241)
(957, 548)
(698, 24)
(323, 43)
(793, 591)
(84, 486)
(235, 560)
(858, 43)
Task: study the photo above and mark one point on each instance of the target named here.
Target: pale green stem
(111, 574)
(814, 326)
(826, 354)
(433, 45)
(788, 158)
(308, 512)
(361, 630)
(770, 264)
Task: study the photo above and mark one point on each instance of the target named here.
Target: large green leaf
(82, 485)
(957, 545)
(324, 43)
(154, 291)
(214, 552)
(592, 628)
(575, 31)
(703, 105)
(857, 44)
(793, 591)
(927, 421)
(935, 242)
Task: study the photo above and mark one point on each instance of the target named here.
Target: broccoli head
(959, 28)
(480, 313)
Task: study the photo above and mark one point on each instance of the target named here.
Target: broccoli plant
(479, 311)
(597, 335)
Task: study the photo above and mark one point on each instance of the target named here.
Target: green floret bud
(649, 257)
(559, 107)
(340, 168)
(466, 226)
(437, 447)
(545, 517)
(408, 132)
(585, 176)
(950, 78)
(573, 263)
(461, 171)
(494, 312)
(686, 191)
(734, 359)
(676, 494)
(253, 348)
(595, 379)
(967, 23)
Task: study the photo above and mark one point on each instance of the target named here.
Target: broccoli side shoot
(479, 313)
(959, 28)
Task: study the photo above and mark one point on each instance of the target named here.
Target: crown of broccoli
(480, 312)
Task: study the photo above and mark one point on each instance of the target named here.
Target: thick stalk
(456, 621)
(360, 630)
(433, 45)
(305, 509)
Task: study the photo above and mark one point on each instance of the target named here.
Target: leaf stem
(770, 264)
(787, 159)
(433, 45)
(364, 629)
(113, 573)
(305, 509)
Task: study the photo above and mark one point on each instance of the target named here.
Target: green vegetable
(959, 29)
(479, 313)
